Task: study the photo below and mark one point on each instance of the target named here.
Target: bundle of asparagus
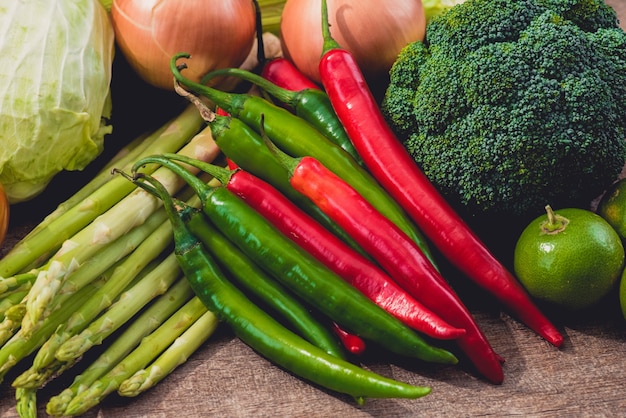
(103, 262)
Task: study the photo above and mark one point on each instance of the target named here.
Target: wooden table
(586, 377)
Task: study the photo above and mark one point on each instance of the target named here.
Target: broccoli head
(509, 105)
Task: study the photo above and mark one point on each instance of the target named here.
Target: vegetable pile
(510, 105)
(288, 211)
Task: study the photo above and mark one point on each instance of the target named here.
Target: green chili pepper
(311, 104)
(264, 334)
(299, 138)
(249, 276)
(302, 273)
(246, 148)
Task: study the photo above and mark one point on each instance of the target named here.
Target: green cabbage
(434, 8)
(55, 75)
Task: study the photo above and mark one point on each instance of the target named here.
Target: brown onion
(217, 34)
(374, 31)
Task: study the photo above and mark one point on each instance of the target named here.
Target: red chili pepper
(392, 165)
(279, 70)
(352, 343)
(397, 254)
(285, 74)
(221, 112)
(330, 250)
(231, 164)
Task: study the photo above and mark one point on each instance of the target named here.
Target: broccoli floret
(589, 15)
(509, 105)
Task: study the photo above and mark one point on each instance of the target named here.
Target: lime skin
(572, 258)
(612, 207)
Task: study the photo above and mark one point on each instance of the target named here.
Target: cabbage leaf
(55, 74)
(434, 8)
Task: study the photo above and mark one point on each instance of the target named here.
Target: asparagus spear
(146, 252)
(130, 152)
(11, 300)
(41, 372)
(26, 402)
(146, 322)
(40, 245)
(150, 347)
(175, 355)
(36, 377)
(154, 284)
(41, 300)
(20, 345)
(47, 362)
(9, 284)
(128, 213)
(11, 321)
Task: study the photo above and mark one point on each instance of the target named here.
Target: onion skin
(374, 31)
(217, 34)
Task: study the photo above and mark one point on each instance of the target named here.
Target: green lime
(622, 294)
(612, 207)
(571, 259)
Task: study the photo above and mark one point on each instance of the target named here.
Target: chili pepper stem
(229, 101)
(287, 161)
(329, 42)
(283, 95)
